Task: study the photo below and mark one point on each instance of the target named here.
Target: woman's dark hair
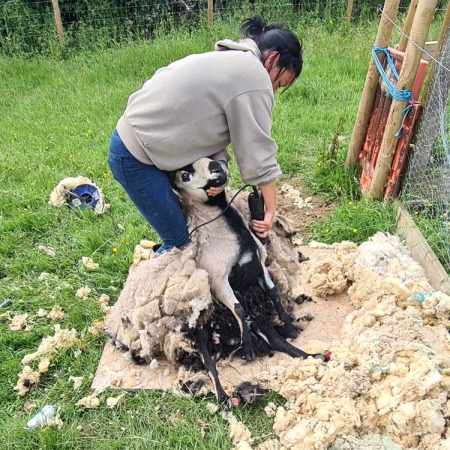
(275, 38)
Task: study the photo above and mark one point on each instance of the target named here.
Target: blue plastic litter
(421, 296)
(84, 196)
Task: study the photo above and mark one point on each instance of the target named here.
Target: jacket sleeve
(249, 117)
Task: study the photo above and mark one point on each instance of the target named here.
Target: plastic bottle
(41, 416)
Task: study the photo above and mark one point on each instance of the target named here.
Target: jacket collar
(245, 45)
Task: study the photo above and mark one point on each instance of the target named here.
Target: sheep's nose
(215, 167)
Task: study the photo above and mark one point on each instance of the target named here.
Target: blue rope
(402, 95)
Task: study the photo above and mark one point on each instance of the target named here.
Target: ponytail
(252, 27)
(255, 26)
(275, 38)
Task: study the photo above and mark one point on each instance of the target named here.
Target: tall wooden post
(58, 21)
(348, 14)
(210, 11)
(408, 24)
(365, 105)
(419, 33)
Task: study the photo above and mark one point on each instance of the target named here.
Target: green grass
(355, 221)
(57, 115)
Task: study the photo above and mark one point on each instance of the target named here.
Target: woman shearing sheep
(194, 108)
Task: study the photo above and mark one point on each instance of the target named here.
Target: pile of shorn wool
(387, 383)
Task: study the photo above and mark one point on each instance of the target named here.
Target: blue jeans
(150, 190)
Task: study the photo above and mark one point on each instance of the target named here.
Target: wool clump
(160, 295)
(386, 385)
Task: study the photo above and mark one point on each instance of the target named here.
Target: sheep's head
(193, 180)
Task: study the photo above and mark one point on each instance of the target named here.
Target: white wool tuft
(388, 257)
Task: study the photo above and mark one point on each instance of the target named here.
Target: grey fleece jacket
(196, 106)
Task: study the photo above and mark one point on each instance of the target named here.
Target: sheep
(167, 305)
(233, 258)
(236, 260)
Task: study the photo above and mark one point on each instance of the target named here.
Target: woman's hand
(262, 227)
(213, 191)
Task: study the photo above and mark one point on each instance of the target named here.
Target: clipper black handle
(256, 206)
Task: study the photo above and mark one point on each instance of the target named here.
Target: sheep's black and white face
(192, 181)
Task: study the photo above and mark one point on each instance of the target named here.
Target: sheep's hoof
(250, 393)
(248, 354)
(290, 331)
(226, 404)
(192, 386)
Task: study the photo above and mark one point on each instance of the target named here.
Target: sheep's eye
(185, 176)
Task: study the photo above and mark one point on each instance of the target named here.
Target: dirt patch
(308, 210)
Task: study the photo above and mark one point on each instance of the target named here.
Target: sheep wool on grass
(17, 321)
(48, 346)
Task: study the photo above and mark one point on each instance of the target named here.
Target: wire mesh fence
(28, 26)
(426, 190)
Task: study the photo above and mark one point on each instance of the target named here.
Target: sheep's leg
(225, 295)
(202, 338)
(267, 284)
(269, 334)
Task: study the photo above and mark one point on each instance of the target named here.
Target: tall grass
(57, 115)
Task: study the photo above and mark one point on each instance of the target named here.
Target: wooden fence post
(58, 21)
(419, 33)
(370, 86)
(407, 26)
(210, 11)
(348, 14)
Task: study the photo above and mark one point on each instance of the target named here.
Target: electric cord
(212, 220)
(215, 218)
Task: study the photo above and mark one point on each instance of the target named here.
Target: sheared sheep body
(232, 256)
(228, 260)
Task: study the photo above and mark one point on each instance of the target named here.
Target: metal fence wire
(426, 189)
(28, 26)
